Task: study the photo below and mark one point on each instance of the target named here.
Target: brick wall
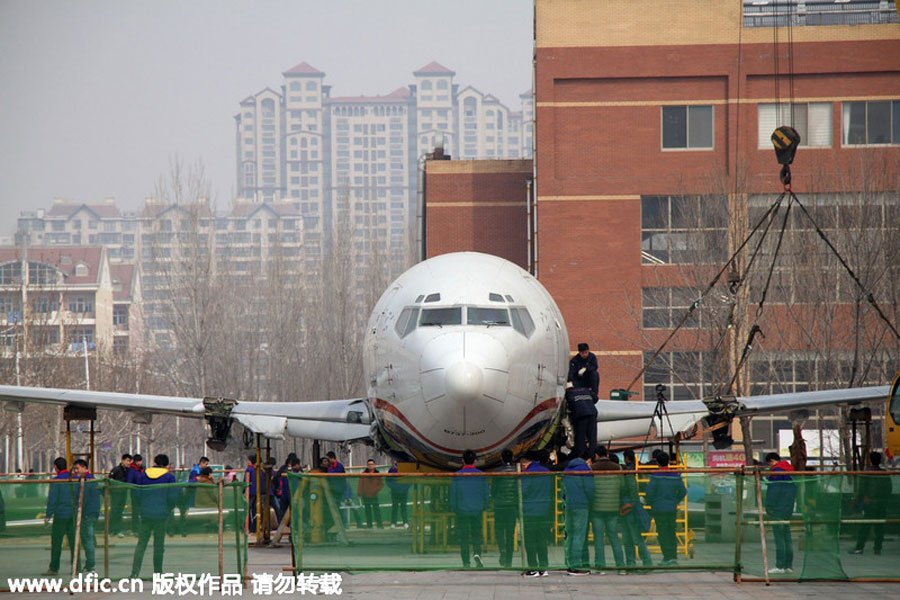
(478, 206)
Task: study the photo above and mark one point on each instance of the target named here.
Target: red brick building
(653, 161)
(478, 205)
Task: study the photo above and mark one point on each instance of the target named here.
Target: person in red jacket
(368, 488)
(781, 493)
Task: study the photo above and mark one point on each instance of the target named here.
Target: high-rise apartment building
(302, 145)
(373, 164)
(436, 109)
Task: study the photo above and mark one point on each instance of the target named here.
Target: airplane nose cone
(464, 381)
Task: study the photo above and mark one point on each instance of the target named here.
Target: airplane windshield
(487, 316)
(521, 321)
(438, 317)
(406, 322)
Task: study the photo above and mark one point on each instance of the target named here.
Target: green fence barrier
(821, 526)
(520, 522)
(114, 519)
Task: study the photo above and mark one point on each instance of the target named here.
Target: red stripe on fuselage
(390, 408)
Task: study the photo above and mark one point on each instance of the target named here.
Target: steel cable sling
(694, 305)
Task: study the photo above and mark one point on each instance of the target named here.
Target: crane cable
(772, 209)
(755, 329)
(869, 296)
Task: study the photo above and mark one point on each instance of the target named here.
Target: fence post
(221, 490)
(106, 528)
(75, 556)
(297, 524)
(521, 519)
(415, 518)
(238, 526)
(762, 528)
(739, 517)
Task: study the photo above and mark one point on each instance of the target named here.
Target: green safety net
(436, 521)
(821, 525)
(113, 516)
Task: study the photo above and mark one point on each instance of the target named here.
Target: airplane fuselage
(465, 351)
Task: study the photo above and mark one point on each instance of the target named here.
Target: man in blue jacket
(781, 493)
(505, 492)
(664, 493)
(90, 511)
(578, 485)
(134, 478)
(60, 508)
(157, 501)
(469, 497)
(399, 492)
(537, 517)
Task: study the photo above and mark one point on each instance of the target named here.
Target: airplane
(462, 351)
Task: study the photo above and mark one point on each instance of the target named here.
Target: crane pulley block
(785, 139)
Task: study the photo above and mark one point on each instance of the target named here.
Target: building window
(683, 375)
(10, 308)
(82, 334)
(664, 307)
(469, 107)
(81, 305)
(39, 273)
(687, 127)
(44, 305)
(48, 336)
(684, 229)
(812, 121)
(870, 122)
(120, 317)
(11, 273)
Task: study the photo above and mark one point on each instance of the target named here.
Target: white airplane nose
(464, 381)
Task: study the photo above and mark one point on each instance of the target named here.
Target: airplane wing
(619, 419)
(330, 420)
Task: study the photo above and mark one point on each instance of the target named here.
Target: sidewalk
(490, 585)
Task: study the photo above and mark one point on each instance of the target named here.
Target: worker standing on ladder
(581, 398)
(664, 492)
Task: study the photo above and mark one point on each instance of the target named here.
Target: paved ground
(471, 585)
(488, 586)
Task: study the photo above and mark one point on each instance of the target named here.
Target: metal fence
(756, 524)
(61, 527)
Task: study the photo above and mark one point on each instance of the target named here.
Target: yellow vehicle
(892, 422)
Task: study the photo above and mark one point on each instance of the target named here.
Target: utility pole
(87, 370)
(23, 276)
(19, 436)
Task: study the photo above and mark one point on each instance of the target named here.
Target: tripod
(661, 414)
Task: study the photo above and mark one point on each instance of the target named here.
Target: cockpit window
(509, 298)
(420, 298)
(433, 298)
(521, 321)
(495, 297)
(406, 322)
(439, 317)
(487, 316)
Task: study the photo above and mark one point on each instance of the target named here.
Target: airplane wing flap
(623, 410)
(352, 410)
(271, 427)
(327, 431)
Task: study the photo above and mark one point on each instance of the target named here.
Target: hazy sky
(96, 96)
